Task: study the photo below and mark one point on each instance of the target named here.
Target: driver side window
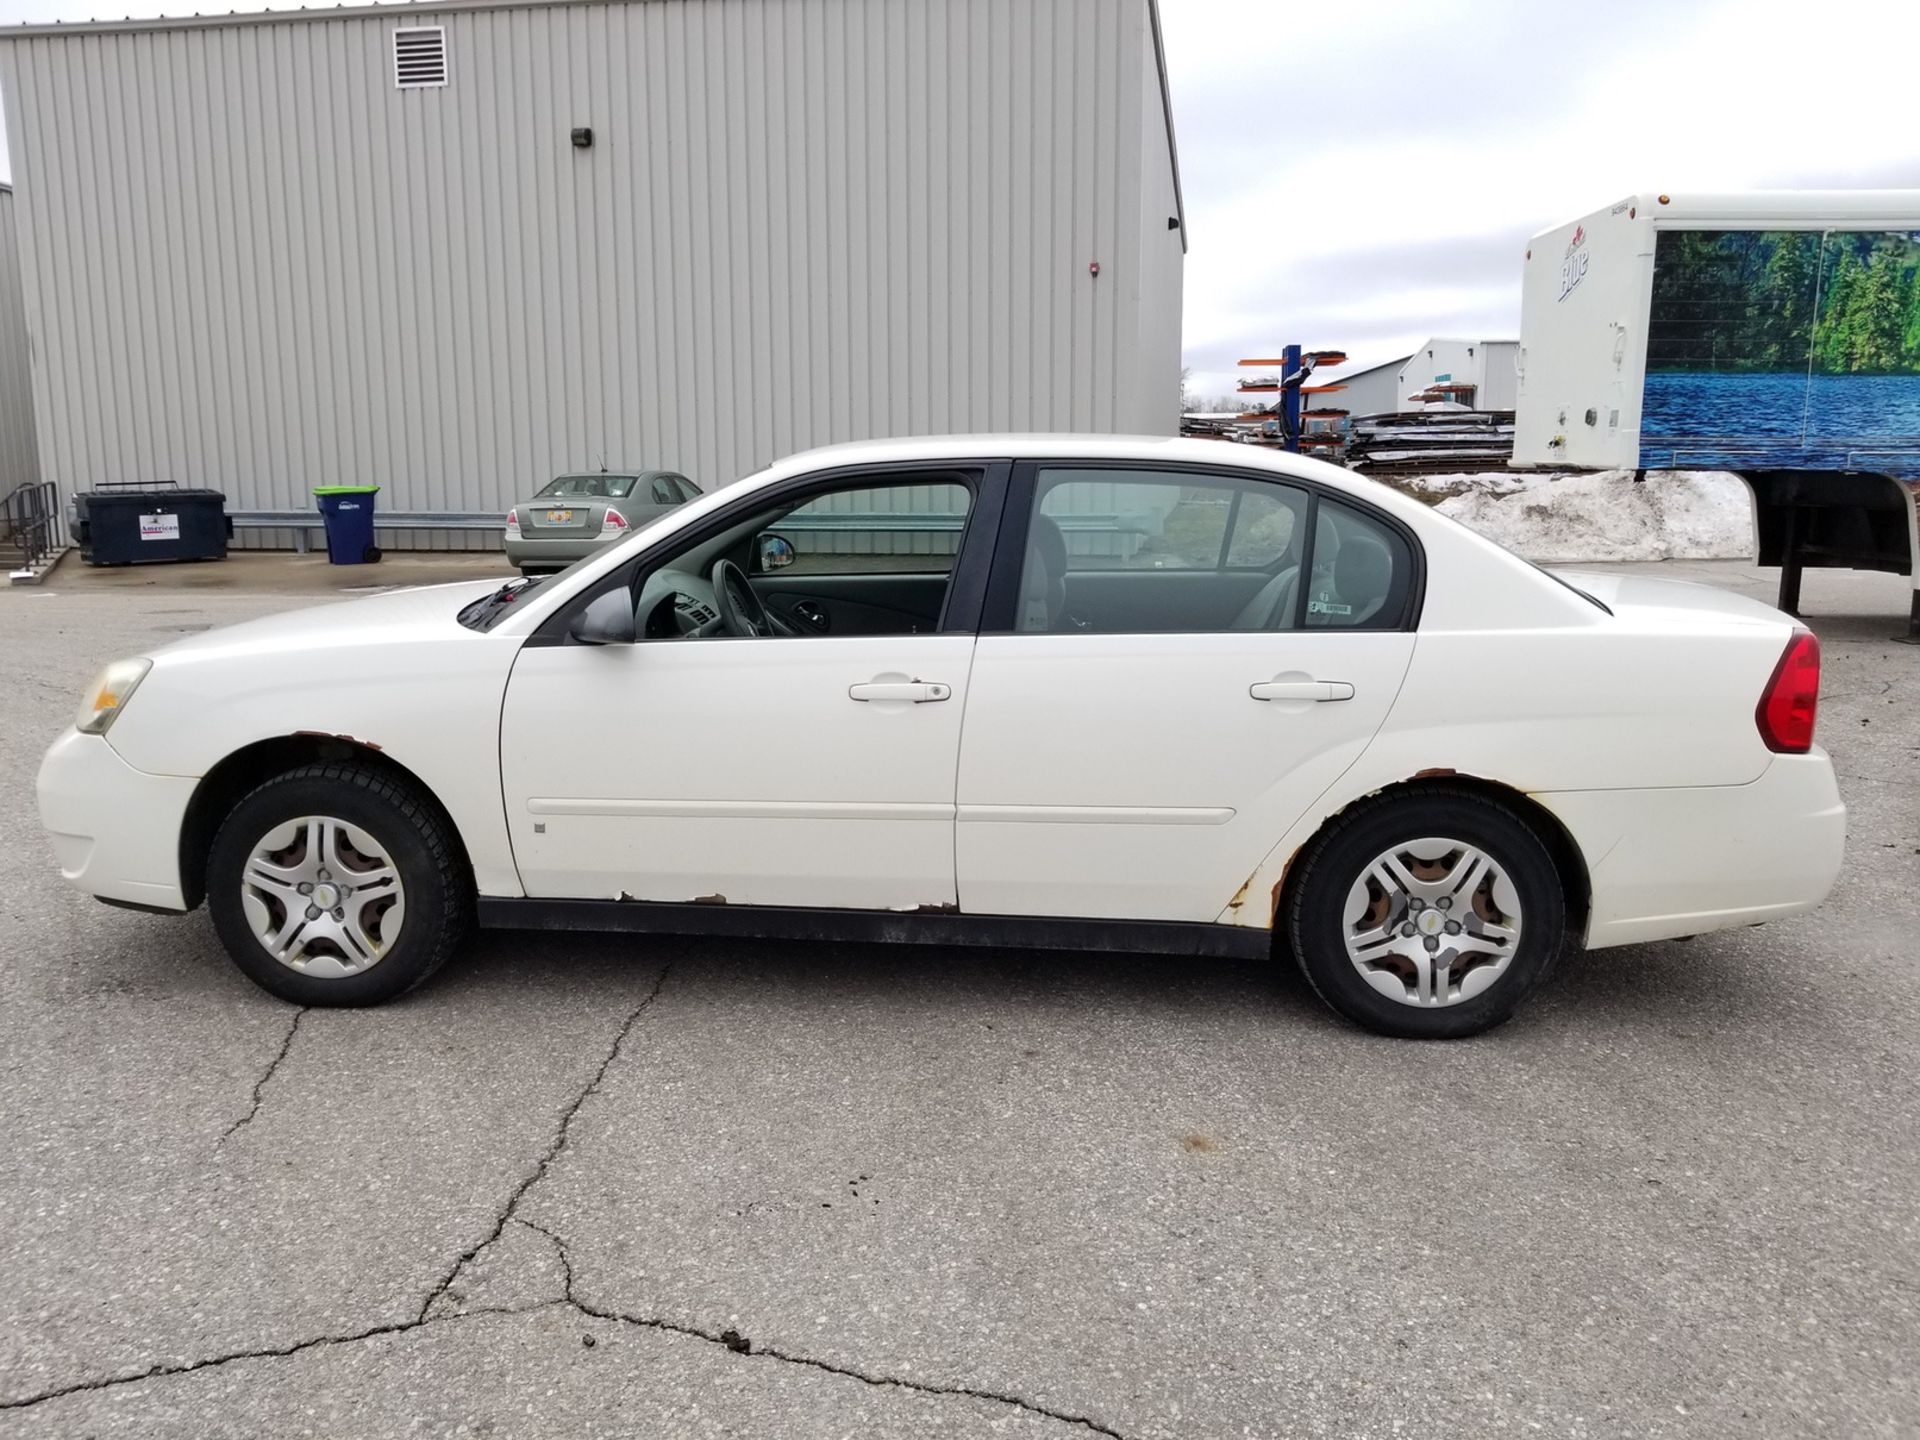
(858, 559)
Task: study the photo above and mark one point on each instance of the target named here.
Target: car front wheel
(337, 884)
(1428, 916)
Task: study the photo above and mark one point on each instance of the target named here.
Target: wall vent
(420, 57)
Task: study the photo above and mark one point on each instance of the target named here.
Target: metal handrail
(30, 520)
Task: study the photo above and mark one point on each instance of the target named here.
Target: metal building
(1372, 391)
(457, 249)
(1480, 374)
(19, 454)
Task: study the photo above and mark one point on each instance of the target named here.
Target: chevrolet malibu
(1100, 693)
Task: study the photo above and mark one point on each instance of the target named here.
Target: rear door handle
(920, 692)
(1301, 690)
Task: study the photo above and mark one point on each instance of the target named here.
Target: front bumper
(526, 549)
(115, 829)
(1667, 863)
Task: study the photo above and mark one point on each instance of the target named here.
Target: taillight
(1786, 711)
(513, 519)
(615, 520)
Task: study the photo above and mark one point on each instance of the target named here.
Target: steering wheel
(741, 612)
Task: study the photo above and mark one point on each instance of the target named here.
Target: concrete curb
(35, 576)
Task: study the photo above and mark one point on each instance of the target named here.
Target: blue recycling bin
(347, 512)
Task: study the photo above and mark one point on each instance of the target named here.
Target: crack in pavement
(560, 1251)
(535, 1175)
(734, 1341)
(422, 1317)
(260, 1085)
(269, 1352)
(728, 1339)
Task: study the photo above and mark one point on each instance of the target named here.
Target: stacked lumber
(1430, 442)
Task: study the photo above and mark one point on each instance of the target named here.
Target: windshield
(592, 487)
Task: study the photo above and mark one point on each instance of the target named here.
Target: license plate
(559, 517)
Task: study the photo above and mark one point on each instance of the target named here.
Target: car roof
(611, 474)
(1166, 449)
(1150, 449)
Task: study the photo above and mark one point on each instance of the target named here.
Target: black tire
(1338, 858)
(421, 844)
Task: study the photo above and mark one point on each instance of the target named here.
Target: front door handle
(1301, 690)
(920, 692)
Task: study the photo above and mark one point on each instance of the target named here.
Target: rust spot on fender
(1240, 895)
(1279, 889)
(714, 899)
(936, 907)
(1440, 773)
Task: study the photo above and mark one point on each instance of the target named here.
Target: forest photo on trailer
(1785, 338)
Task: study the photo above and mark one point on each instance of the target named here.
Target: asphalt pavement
(598, 1186)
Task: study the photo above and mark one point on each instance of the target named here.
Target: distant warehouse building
(1480, 374)
(457, 249)
(1372, 391)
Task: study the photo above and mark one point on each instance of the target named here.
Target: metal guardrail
(30, 523)
(301, 522)
(304, 522)
(882, 522)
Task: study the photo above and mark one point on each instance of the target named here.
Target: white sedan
(1089, 692)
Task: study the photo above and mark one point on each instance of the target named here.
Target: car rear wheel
(337, 884)
(1428, 916)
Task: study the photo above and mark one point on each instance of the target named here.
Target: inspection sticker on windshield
(159, 527)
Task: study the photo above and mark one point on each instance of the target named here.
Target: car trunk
(1682, 600)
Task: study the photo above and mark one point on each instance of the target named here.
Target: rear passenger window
(1262, 528)
(1146, 552)
(1361, 572)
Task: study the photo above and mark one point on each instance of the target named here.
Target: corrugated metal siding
(1156, 302)
(254, 264)
(1499, 363)
(19, 454)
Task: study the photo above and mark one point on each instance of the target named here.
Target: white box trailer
(1772, 334)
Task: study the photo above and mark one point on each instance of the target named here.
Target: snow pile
(1603, 515)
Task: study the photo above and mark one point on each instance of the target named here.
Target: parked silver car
(574, 515)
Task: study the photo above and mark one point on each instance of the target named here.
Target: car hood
(396, 616)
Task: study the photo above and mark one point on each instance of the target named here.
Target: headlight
(108, 695)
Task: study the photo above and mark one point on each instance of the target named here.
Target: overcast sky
(1362, 174)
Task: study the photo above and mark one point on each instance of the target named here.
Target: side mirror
(606, 621)
(772, 552)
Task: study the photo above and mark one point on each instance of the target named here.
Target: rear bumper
(115, 829)
(532, 550)
(1666, 863)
